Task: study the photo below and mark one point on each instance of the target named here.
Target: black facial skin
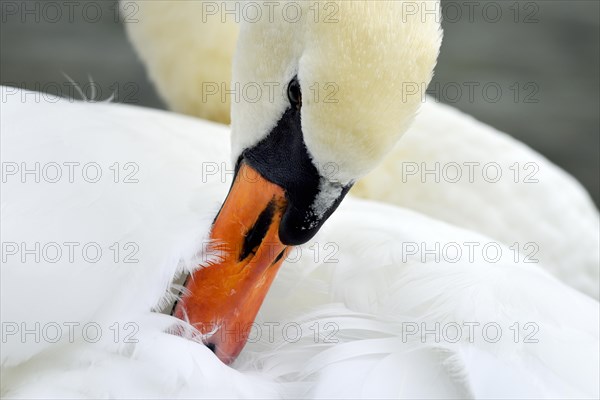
(282, 158)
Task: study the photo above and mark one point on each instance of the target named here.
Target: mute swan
(283, 144)
(368, 320)
(279, 198)
(521, 208)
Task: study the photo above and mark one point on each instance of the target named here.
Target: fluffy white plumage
(371, 295)
(454, 168)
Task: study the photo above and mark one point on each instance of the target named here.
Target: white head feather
(358, 72)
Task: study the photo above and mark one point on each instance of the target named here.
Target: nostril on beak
(212, 347)
(257, 233)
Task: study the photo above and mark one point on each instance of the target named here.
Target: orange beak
(222, 299)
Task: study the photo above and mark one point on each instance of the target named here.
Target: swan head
(361, 68)
(329, 89)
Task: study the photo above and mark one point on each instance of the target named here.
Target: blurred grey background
(529, 68)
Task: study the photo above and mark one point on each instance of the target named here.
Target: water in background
(529, 68)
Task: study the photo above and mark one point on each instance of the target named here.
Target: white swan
(373, 296)
(521, 208)
(362, 318)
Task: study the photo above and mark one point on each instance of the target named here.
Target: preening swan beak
(278, 199)
(223, 299)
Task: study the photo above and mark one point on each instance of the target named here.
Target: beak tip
(212, 347)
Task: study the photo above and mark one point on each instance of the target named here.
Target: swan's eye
(294, 93)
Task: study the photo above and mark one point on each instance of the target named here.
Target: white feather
(353, 308)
